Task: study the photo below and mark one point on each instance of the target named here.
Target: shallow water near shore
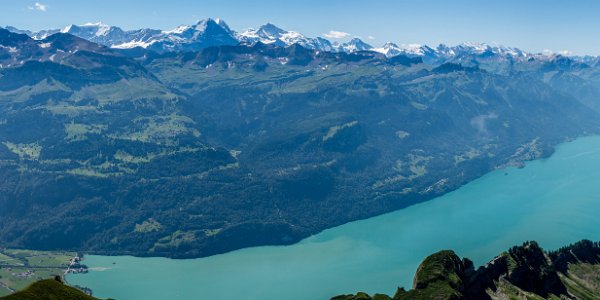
(553, 201)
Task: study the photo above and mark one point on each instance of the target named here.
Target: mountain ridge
(172, 40)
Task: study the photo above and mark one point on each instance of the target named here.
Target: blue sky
(533, 25)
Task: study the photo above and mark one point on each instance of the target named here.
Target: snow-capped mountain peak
(67, 28)
(266, 34)
(215, 32)
(274, 35)
(98, 32)
(388, 49)
(222, 23)
(474, 48)
(201, 27)
(205, 33)
(354, 45)
(271, 31)
(96, 29)
(411, 50)
(204, 23)
(178, 30)
(390, 45)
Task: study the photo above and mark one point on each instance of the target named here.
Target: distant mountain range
(215, 32)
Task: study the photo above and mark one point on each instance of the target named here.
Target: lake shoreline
(548, 201)
(510, 164)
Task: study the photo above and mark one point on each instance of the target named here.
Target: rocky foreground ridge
(523, 272)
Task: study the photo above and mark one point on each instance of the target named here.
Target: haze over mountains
(201, 140)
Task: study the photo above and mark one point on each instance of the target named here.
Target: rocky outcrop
(522, 272)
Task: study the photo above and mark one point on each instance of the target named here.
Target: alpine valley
(202, 140)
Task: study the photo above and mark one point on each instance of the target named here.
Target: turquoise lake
(554, 201)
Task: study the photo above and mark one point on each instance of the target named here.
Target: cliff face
(523, 272)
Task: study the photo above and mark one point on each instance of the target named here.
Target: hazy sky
(533, 25)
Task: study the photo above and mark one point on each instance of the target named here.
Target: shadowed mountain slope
(198, 153)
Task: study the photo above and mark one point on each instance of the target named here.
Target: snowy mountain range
(215, 32)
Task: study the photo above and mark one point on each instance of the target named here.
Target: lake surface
(554, 201)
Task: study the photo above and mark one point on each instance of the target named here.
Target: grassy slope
(49, 289)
